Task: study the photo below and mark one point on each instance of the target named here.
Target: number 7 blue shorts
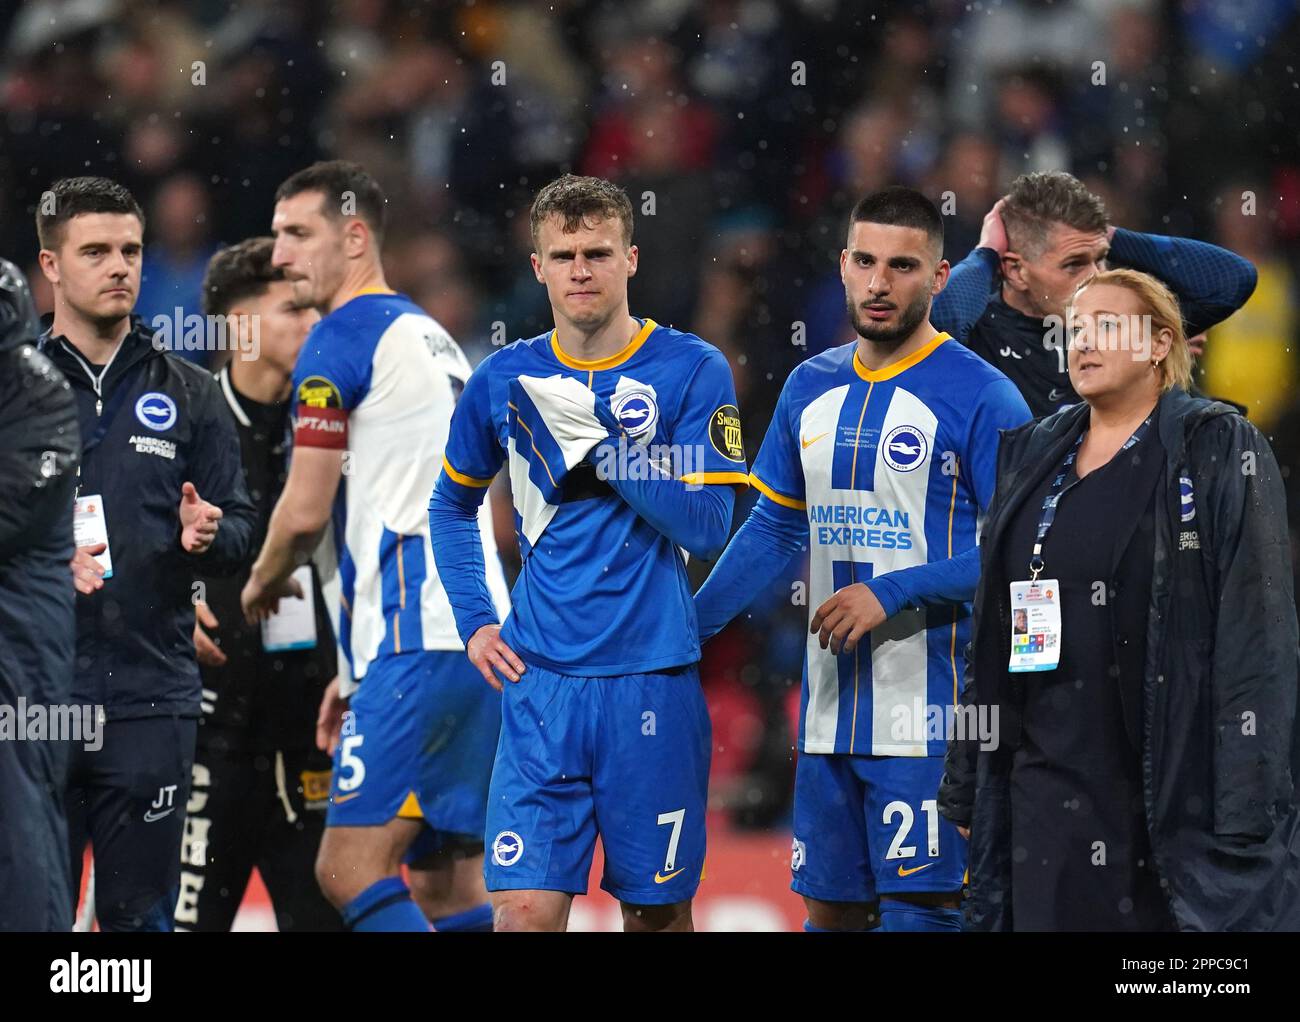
(623, 757)
(870, 825)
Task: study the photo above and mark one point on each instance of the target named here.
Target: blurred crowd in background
(743, 130)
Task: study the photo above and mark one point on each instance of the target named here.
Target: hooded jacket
(156, 423)
(1216, 696)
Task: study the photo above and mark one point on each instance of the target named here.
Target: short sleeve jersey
(378, 378)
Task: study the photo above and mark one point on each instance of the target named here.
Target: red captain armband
(321, 427)
(321, 419)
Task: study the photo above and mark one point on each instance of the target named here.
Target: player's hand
(199, 521)
(259, 601)
(963, 831)
(846, 617)
(329, 721)
(87, 574)
(993, 233)
(208, 652)
(1196, 345)
(491, 656)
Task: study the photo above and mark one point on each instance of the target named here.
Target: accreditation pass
(293, 626)
(1035, 625)
(90, 528)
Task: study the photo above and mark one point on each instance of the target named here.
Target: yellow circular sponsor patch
(724, 432)
(318, 392)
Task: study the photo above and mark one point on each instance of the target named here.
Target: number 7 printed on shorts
(675, 818)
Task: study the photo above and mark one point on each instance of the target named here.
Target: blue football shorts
(870, 825)
(624, 757)
(418, 743)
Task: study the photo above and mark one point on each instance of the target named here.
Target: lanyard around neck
(1058, 489)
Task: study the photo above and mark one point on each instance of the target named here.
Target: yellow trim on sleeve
(594, 365)
(461, 477)
(771, 494)
(890, 371)
(723, 478)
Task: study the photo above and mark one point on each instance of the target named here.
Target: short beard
(909, 319)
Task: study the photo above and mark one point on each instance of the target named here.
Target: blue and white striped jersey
(893, 469)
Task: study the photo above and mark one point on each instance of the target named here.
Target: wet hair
(581, 200)
(1039, 201)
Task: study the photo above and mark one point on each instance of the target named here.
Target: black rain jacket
(1218, 688)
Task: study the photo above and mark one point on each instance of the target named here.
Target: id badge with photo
(90, 528)
(1035, 625)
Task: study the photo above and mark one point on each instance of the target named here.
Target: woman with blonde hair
(1143, 777)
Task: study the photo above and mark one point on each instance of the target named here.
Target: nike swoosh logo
(809, 443)
(151, 817)
(916, 869)
(659, 879)
(339, 799)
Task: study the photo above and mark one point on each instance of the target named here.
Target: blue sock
(905, 917)
(474, 920)
(384, 907)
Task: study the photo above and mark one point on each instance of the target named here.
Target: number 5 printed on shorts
(351, 762)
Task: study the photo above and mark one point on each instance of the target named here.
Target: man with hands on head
(160, 501)
(1006, 300)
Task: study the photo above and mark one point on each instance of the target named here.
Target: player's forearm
(292, 536)
(937, 584)
(695, 519)
(763, 545)
(458, 554)
(963, 300)
(1210, 282)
